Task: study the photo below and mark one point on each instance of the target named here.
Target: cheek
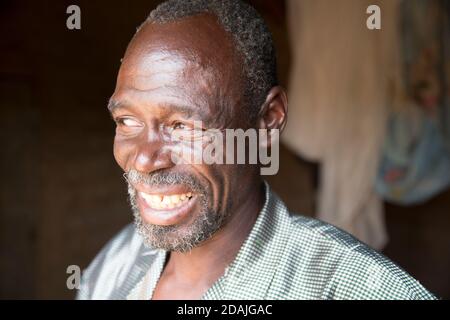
(122, 152)
(218, 176)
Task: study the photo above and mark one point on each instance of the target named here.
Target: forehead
(191, 59)
(199, 37)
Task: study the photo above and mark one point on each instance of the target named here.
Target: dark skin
(176, 73)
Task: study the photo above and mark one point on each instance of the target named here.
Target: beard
(179, 238)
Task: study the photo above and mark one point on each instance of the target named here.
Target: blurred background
(366, 148)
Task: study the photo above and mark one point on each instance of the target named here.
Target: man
(216, 231)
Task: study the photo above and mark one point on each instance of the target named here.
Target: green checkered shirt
(284, 257)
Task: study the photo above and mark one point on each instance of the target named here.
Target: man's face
(172, 75)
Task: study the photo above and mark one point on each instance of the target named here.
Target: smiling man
(216, 231)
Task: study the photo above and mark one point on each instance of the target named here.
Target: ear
(273, 114)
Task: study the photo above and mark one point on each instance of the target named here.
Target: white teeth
(164, 202)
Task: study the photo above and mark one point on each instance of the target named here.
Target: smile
(161, 202)
(166, 207)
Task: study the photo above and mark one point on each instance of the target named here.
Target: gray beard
(174, 237)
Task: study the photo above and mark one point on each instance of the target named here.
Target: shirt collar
(259, 254)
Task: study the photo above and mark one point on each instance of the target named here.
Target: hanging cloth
(338, 96)
(416, 156)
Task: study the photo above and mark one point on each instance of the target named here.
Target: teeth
(165, 202)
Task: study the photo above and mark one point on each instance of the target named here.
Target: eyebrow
(114, 105)
(185, 110)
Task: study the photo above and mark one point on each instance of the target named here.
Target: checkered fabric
(284, 257)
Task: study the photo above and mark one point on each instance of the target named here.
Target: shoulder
(339, 266)
(108, 268)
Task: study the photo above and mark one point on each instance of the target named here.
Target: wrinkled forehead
(194, 51)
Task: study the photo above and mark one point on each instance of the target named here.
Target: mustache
(164, 178)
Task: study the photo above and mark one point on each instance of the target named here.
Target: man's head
(251, 39)
(210, 61)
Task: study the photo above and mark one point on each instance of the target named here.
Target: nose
(150, 154)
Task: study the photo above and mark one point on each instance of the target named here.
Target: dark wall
(62, 194)
(420, 241)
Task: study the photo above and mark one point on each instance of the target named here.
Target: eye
(183, 131)
(128, 126)
(179, 126)
(128, 122)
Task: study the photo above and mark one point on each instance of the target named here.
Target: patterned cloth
(284, 257)
(415, 165)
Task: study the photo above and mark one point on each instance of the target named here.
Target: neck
(206, 263)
